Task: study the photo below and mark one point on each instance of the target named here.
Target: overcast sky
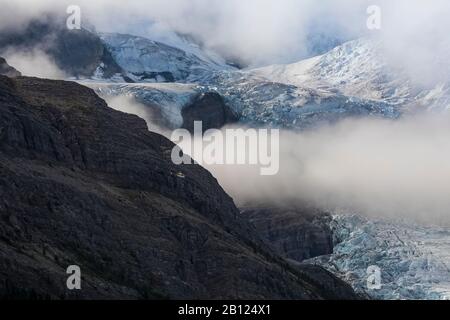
(258, 31)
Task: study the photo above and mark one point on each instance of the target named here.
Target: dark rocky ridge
(83, 184)
(76, 52)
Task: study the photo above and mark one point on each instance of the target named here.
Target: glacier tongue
(257, 102)
(414, 260)
(168, 98)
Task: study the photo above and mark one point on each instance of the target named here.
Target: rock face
(210, 109)
(7, 70)
(82, 184)
(79, 53)
(295, 233)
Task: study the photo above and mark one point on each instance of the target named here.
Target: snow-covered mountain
(259, 97)
(360, 68)
(146, 60)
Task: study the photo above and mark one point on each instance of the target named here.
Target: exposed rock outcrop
(210, 109)
(82, 184)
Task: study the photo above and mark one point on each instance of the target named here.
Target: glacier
(168, 98)
(258, 99)
(414, 259)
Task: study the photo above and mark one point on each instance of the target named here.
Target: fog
(35, 63)
(255, 31)
(376, 167)
(262, 32)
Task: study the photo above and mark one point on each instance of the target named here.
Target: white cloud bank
(35, 63)
(260, 31)
(375, 167)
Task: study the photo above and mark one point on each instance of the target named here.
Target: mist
(383, 168)
(369, 166)
(262, 32)
(256, 32)
(35, 63)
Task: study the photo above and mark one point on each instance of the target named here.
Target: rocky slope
(83, 184)
(297, 233)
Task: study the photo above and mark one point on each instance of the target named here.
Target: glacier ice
(260, 100)
(146, 60)
(414, 260)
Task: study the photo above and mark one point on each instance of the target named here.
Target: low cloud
(262, 32)
(34, 63)
(376, 167)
